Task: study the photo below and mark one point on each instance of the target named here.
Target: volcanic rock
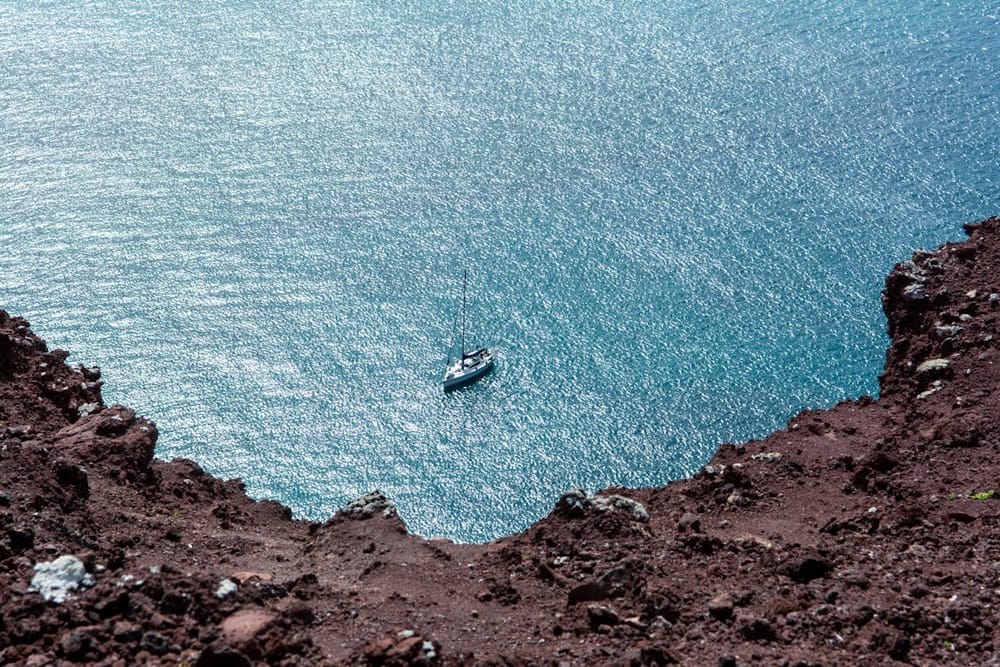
(864, 533)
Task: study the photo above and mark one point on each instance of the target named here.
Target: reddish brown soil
(860, 535)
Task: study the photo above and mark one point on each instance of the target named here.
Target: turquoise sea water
(677, 218)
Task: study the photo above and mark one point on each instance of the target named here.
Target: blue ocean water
(677, 218)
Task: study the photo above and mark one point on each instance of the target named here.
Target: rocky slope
(864, 534)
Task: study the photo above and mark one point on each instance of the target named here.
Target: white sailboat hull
(468, 369)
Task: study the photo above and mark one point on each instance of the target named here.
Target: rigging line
(451, 341)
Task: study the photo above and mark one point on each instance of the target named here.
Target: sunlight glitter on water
(677, 222)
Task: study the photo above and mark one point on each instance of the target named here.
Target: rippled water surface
(677, 218)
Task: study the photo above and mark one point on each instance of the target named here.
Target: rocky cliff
(864, 534)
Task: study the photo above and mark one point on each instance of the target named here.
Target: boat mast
(465, 277)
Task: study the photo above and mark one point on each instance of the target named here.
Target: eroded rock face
(953, 320)
(114, 437)
(865, 533)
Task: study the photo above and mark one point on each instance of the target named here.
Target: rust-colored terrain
(866, 534)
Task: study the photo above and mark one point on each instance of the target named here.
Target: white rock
(54, 580)
(129, 581)
(947, 330)
(226, 587)
(914, 293)
(932, 365)
(88, 408)
(370, 503)
(609, 503)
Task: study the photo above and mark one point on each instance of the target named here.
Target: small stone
(175, 602)
(805, 568)
(406, 651)
(114, 603)
(76, 644)
(613, 583)
(618, 581)
(660, 625)
(155, 643)
(914, 293)
(429, 649)
(947, 330)
(246, 624)
(244, 576)
(20, 538)
(689, 522)
(754, 628)
(599, 614)
(301, 613)
(124, 631)
(636, 622)
(88, 408)
(18, 431)
(721, 606)
(589, 591)
(226, 587)
(767, 457)
(572, 503)
(932, 366)
(900, 647)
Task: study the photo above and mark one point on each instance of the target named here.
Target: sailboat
(472, 365)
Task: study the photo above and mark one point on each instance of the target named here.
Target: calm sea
(676, 216)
